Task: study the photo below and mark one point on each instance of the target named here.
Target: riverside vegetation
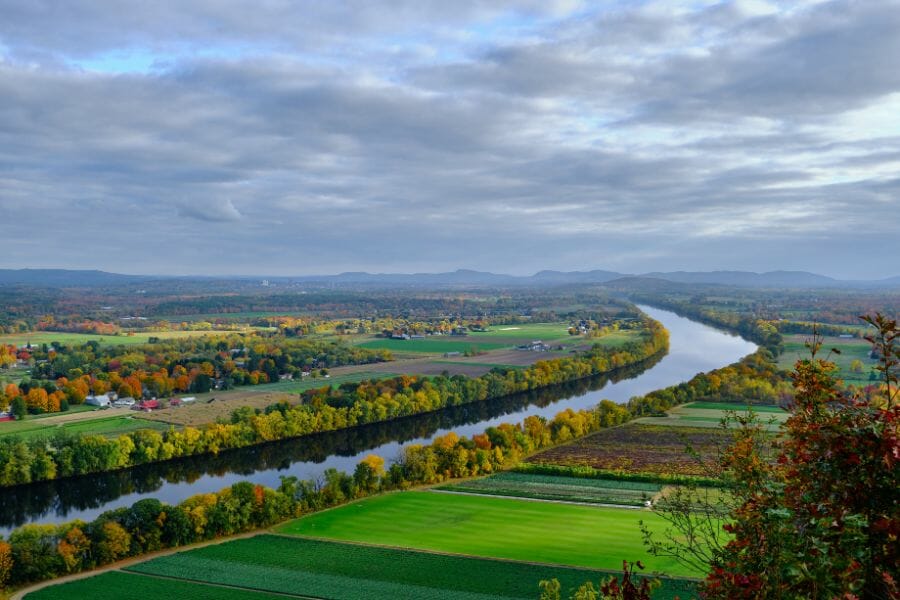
(320, 410)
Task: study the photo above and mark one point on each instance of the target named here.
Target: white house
(102, 401)
(126, 401)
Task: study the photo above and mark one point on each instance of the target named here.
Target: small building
(188, 399)
(127, 401)
(101, 401)
(147, 405)
(451, 354)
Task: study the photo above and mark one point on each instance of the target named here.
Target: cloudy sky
(280, 137)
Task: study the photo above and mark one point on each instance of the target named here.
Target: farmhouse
(147, 405)
(103, 400)
(535, 346)
(126, 401)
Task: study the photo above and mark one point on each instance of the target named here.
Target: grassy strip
(541, 495)
(559, 488)
(591, 473)
(735, 406)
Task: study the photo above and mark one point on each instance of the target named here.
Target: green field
(616, 339)
(433, 344)
(851, 349)
(726, 406)
(547, 532)
(125, 586)
(110, 426)
(310, 383)
(36, 338)
(235, 316)
(529, 331)
(327, 569)
(710, 414)
(552, 487)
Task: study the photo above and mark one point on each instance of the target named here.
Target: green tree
(18, 408)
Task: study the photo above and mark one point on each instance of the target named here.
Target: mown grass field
(547, 532)
(529, 331)
(103, 425)
(36, 338)
(710, 414)
(851, 349)
(309, 383)
(552, 487)
(435, 344)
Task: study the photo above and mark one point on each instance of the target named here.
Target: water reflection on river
(693, 348)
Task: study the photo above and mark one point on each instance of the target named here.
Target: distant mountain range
(458, 278)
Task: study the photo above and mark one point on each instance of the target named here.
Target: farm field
(37, 338)
(547, 532)
(102, 425)
(560, 488)
(328, 569)
(435, 344)
(851, 349)
(308, 383)
(639, 448)
(710, 414)
(529, 331)
(205, 410)
(498, 338)
(233, 317)
(116, 585)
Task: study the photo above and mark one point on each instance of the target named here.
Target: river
(693, 348)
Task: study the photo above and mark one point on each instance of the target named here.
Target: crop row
(641, 449)
(340, 570)
(570, 489)
(125, 586)
(604, 483)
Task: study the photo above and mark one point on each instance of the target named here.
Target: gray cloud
(418, 138)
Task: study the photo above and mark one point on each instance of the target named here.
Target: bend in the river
(693, 348)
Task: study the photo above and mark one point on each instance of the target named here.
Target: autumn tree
(6, 563)
(820, 519)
